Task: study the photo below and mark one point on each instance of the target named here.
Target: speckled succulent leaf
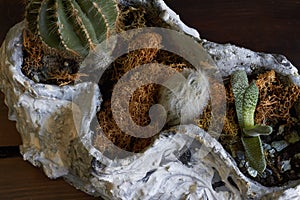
(254, 153)
(239, 83)
(246, 97)
(257, 130)
(249, 104)
(72, 25)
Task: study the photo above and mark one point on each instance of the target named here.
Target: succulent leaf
(72, 25)
(257, 130)
(239, 83)
(254, 153)
(249, 104)
(246, 97)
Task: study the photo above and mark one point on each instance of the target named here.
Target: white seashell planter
(181, 164)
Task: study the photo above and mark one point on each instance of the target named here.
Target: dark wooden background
(269, 26)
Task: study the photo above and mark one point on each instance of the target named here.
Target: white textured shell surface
(183, 164)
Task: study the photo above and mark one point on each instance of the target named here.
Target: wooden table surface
(269, 26)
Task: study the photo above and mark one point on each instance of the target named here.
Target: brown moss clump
(130, 18)
(45, 65)
(205, 121)
(33, 52)
(230, 127)
(139, 104)
(141, 99)
(205, 118)
(139, 16)
(275, 100)
(229, 136)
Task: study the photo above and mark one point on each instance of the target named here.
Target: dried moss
(230, 127)
(141, 100)
(205, 118)
(33, 51)
(139, 104)
(275, 100)
(130, 18)
(45, 65)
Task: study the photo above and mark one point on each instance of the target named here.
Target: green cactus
(246, 97)
(74, 26)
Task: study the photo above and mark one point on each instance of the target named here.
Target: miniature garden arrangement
(230, 126)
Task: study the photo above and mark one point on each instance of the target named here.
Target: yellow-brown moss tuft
(33, 50)
(205, 118)
(45, 65)
(275, 99)
(142, 98)
(141, 101)
(130, 18)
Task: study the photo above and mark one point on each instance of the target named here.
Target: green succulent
(246, 97)
(74, 26)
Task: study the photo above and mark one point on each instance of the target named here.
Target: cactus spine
(75, 26)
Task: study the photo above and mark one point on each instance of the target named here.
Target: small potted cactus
(71, 26)
(59, 70)
(63, 32)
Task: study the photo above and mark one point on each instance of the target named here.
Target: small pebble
(266, 173)
(280, 129)
(296, 162)
(66, 64)
(279, 145)
(267, 146)
(36, 78)
(297, 156)
(252, 172)
(285, 165)
(292, 137)
(240, 155)
(272, 152)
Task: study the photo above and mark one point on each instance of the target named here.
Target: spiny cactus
(246, 97)
(72, 25)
